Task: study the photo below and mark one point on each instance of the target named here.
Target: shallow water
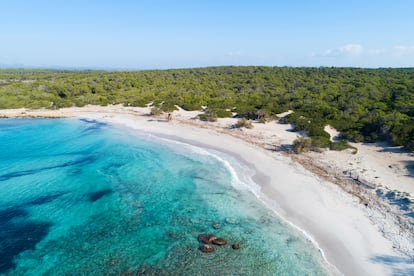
(83, 197)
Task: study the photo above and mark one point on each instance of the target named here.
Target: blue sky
(151, 34)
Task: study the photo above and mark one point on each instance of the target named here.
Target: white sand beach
(317, 193)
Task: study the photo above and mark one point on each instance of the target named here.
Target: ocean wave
(241, 174)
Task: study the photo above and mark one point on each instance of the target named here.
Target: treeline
(364, 104)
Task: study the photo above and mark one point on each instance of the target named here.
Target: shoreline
(335, 219)
(259, 178)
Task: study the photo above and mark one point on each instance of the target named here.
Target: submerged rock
(219, 241)
(216, 226)
(172, 235)
(206, 248)
(235, 246)
(207, 239)
(231, 220)
(195, 220)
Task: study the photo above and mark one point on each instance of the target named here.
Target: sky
(160, 34)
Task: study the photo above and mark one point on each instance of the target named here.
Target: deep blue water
(82, 197)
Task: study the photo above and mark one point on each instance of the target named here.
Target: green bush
(243, 122)
(342, 145)
(138, 102)
(168, 107)
(353, 135)
(302, 144)
(207, 117)
(316, 143)
(190, 106)
(221, 113)
(203, 117)
(263, 120)
(155, 111)
(317, 130)
(319, 142)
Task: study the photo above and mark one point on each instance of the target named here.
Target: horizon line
(120, 68)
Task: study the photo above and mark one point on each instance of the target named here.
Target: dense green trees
(364, 104)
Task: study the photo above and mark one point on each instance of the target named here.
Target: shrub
(302, 144)
(138, 102)
(319, 142)
(353, 135)
(243, 122)
(155, 111)
(263, 116)
(202, 117)
(300, 123)
(208, 117)
(342, 145)
(317, 130)
(221, 113)
(190, 106)
(168, 107)
(263, 120)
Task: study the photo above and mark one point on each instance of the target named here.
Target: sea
(83, 197)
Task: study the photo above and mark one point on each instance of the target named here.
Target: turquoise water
(80, 197)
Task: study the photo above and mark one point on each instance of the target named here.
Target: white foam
(238, 180)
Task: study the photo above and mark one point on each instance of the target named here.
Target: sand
(356, 234)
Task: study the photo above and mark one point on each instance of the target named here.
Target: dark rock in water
(206, 248)
(219, 241)
(95, 196)
(235, 246)
(172, 235)
(207, 239)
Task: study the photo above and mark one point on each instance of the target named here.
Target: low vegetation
(243, 122)
(208, 117)
(155, 111)
(303, 144)
(366, 105)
